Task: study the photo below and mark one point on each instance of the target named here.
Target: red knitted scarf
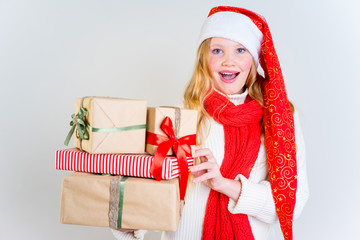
(242, 129)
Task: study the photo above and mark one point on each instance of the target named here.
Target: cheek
(213, 63)
(246, 65)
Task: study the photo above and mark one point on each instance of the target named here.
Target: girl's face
(229, 64)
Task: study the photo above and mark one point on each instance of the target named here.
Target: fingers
(207, 162)
(202, 166)
(205, 154)
(205, 171)
(196, 147)
(197, 173)
(208, 169)
(204, 177)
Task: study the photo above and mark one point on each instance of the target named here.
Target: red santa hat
(236, 27)
(252, 31)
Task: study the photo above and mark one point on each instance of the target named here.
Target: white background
(54, 51)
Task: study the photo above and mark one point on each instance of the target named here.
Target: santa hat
(236, 27)
(252, 31)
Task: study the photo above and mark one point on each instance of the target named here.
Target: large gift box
(183, 123)
(112, 125)
(137, 165)
(120, 202)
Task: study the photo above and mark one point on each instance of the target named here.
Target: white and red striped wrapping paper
(120, 164)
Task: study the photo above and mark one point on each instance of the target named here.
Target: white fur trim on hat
(236, 27)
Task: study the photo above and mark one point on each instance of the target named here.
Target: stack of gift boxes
(130, 164)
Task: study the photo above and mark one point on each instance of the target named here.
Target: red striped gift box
(135, 165)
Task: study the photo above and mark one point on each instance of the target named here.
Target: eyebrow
(239, 45)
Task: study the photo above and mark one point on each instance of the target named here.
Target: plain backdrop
(52, 52)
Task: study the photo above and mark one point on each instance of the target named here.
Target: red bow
(180, 146)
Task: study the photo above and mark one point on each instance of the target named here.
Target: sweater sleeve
(136, 235)
(256, 197)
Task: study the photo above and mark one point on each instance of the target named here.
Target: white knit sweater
(255, 199)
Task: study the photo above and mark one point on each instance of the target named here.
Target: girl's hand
(208, 171)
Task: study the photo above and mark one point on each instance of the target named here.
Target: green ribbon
(119, 129)
(79, 123)
(121, 200)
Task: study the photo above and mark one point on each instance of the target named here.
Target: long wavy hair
(201, 85)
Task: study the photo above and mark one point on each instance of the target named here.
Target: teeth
(226, 73)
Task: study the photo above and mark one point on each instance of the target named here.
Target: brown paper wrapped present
(184, 123)
(118, 202)
(114, 125)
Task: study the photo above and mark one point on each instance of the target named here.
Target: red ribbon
(180, 146)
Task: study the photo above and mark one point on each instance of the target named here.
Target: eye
(240, 50)
(216, 51)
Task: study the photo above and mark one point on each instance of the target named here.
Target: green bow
(79, 123)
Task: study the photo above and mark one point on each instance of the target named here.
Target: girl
(250, 172)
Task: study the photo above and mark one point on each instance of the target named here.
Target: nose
(228, 60)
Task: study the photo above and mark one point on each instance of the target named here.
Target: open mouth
(228, 76)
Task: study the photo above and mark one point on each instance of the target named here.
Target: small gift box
(137, 165)
(109, 125)
(120, 202)
(171, 130)
(183, 123)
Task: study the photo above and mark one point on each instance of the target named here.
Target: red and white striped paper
(120, 164)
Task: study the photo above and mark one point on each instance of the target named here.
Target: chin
(230, 91)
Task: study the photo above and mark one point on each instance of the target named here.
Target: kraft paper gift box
(137, 165)
(110, 201)
(116, 118)
(184, 123)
